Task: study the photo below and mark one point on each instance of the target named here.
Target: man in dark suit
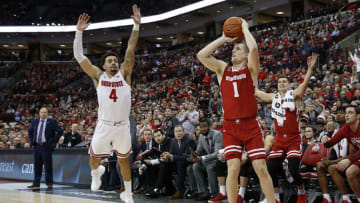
(145, 180)
(71, 138)
(204, 159)
(44, 133)
(163, 145)
(181, 147)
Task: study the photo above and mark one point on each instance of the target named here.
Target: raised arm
(353, 57)
(210, 62)
(253, 57)
(263, 96)
(299, 91)
(91, 70)
(129, 60)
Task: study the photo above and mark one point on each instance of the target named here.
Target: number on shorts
(236, 92)
(113, 95)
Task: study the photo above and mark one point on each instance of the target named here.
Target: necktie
(39, 138)
(147, 145)
(208, 143)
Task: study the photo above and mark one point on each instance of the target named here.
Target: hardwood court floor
(16, 192)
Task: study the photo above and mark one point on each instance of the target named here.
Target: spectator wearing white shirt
(356, 59)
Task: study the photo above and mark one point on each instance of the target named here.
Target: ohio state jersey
(114, 98)
(238, 94)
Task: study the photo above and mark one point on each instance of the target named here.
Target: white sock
(95, 171)
(222, 189)
(327, 197)
(359, 199)
(242, 191)
(301, 191)
(264, 201)
(277, 196)
(127, 185)
(346, 197)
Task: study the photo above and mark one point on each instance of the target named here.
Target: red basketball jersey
(291, 123)
(238, 94)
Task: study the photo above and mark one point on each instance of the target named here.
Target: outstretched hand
(228, 39)
(136, 14)
(83, 22)
(311, 60)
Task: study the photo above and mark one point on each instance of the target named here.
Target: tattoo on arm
(130, 51)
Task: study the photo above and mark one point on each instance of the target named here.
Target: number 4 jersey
(238, 94)
(114, 98)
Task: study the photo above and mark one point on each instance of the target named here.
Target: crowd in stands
(173, 88)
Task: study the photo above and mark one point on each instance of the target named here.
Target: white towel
(278, 108)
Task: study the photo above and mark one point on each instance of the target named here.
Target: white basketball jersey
(114, 98)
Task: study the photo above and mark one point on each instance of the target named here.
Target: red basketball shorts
(243, 135)
(289, 145)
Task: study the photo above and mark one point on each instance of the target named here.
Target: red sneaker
(239, 199)
(326, 201)
(277, 201)
(219, 197)
(345, 201)
(302, 198)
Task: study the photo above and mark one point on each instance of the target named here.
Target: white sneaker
(96, 178)
(126, 197)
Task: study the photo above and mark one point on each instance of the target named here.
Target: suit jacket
(188, 145)
(165, 146)
(216, 143)
(52, 132)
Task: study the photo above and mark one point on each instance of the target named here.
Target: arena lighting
(280, 12)
(113, 23)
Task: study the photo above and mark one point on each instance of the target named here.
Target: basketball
(232, 27)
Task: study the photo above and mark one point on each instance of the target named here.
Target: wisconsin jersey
(114, 98)
(238, 94)
(291, 123)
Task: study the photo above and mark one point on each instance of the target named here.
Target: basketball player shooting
(112, 131)
(241, 129)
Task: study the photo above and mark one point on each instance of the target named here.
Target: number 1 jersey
(114, 98)
(238, 94)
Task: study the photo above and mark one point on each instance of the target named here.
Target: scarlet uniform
(353, 138)
(287, 139)
(112, 131)
(240, 128)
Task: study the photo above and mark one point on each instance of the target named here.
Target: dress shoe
(50, 187)
(153, 194)
(177, 195)
(139, 191)
(202, 197)
(33, 186)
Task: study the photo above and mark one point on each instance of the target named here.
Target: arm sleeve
(337, 137)
(77, 47)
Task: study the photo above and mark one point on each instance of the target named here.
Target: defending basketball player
(286, 111)
(241, 129)
(112, 131)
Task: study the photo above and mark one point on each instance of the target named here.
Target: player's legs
(121, 141)
(275, 164)
(266, 183)
(321, 170)
(254, 145)
(352, 175)
(232, 179)
(339, 180)
(99, 148)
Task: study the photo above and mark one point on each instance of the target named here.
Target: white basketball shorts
(110, 136)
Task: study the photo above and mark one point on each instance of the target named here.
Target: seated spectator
(204, 161)
(154, 164)
(350, 165)
(71, 138)
(175, 160)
